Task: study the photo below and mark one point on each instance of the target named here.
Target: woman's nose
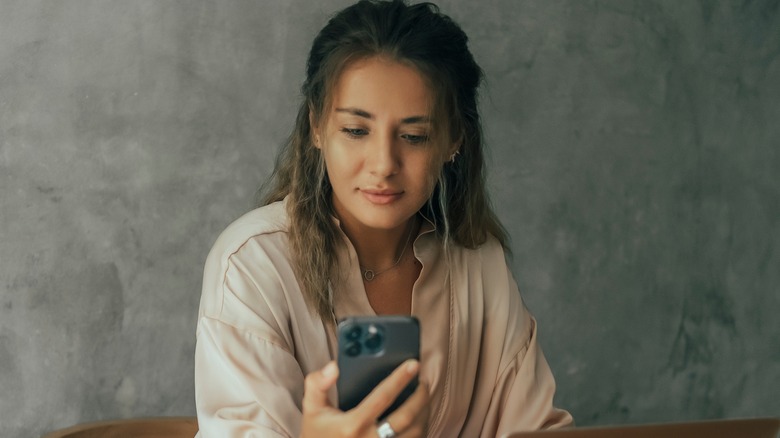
(382, 157)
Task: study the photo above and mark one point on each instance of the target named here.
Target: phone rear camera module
(353, 349)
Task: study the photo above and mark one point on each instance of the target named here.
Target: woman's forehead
(381, 78)
(379, 86)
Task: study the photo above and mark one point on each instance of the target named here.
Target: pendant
(368, 275)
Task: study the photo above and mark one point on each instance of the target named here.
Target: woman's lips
(381, 197)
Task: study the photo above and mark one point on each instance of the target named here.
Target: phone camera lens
(373, 342)
(353, 349)
(354, 333)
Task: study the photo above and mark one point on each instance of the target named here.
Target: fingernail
(412, 366)
(330, 370)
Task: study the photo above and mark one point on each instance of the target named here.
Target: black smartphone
(370, 348)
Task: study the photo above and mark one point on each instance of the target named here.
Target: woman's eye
(354, 132)
(415, 139)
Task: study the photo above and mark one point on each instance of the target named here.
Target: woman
(377, 206)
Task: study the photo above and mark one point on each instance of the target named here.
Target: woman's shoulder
(490, 251)
(493, 246)
(488, 261)
(484, 270)
(244, 263)
(266, 220)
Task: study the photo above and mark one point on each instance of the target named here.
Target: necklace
(370, 274)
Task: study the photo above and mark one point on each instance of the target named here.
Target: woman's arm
(523, 395)
(245, 386)
(252, 324)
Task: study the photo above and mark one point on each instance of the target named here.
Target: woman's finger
(316, 386)
(381, 397)
(411, 417)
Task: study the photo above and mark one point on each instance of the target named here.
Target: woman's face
(380, 161)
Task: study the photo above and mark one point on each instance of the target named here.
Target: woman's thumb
(317, 384)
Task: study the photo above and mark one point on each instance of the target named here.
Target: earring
(454, 154)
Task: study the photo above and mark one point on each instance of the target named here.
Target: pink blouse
(257, 339)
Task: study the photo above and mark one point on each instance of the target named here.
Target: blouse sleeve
(244, 384)
(523, 396)
(248, 382)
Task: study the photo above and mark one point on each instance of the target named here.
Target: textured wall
(634, 160)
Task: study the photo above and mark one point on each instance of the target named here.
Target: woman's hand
(320, 419)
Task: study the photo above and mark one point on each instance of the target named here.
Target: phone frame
(360, 373)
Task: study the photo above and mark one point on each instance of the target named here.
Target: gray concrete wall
(634, 159)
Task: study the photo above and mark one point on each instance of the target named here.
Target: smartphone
(370, 348)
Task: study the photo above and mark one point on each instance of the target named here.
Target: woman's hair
(416, 35)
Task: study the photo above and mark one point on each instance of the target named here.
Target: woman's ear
(454, 149)
(314, 130)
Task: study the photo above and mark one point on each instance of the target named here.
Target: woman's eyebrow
(416, 119)
(367, 115)
(356, 112)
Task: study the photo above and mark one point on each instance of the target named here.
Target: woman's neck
(379, 249)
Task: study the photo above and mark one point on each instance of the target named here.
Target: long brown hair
(418, 35)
